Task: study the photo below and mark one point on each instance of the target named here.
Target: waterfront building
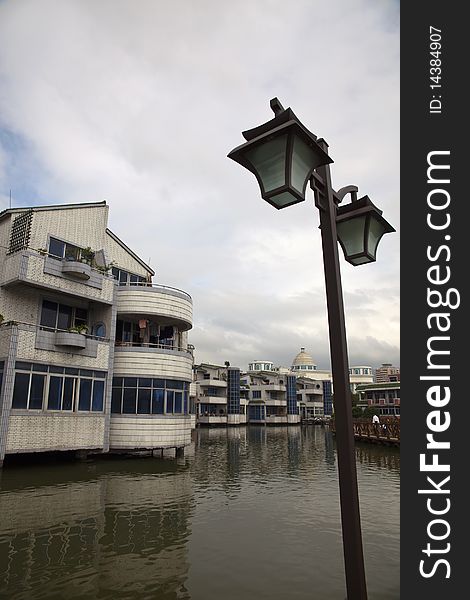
(383, 396)
(303, 365)
(94, 357)
(217, 395)
(387, 372)
(272, 397)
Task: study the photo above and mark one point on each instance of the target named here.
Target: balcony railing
(121, 344)
(145, 284)
(34, 327)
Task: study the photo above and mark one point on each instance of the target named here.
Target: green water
(249, 513)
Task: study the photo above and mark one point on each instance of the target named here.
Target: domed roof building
(303, 362)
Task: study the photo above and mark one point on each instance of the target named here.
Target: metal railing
(146, 284)
(121, 344)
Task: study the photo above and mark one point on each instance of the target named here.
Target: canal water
(248, 513)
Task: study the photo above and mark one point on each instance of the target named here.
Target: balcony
(153, 360)
(212, 383)
(207, 399)
(40, 270)
(76, 269)
(70, 339)
(167, 304)
(69, 348)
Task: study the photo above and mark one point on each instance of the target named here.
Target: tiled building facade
(93, 356)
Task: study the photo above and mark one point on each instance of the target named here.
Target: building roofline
(204, 366)
(19, 209)
(378, 386)
(127, 249)
(43, 207)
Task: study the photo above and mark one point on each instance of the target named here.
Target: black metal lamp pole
(349, 495)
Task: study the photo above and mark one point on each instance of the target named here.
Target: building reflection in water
(117, 534)
(243, 501)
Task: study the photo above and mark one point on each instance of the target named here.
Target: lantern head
(360, 227)
(282, 155)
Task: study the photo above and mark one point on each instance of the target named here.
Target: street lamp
(284, 156)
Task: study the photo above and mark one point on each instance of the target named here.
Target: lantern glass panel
(283, 199)
(360, 260)
(304, 160)
(351, 234)
(376, 231)
(269, 160)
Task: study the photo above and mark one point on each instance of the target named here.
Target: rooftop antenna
(10, 198)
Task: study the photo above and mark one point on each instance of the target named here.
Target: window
(60, 250)
(60, 316)
(256, 394)
(43, 387)
(152, 334)
(256, 413)
(126, 278)
(145, 396)
(28, 391)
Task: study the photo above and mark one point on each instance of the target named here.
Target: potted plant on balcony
(81, 328)
(87, 255)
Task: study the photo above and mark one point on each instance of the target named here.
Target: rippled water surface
(248, 513)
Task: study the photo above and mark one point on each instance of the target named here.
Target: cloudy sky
(138, 102)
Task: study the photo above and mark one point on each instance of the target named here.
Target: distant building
(387, 372)
(304, 366)
(272, 397)
(93, 355)
(217, 395)
(383, 396)
(261, 365)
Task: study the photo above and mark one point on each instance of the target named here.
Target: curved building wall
(156, 301)
(149, 431)
(148, 362)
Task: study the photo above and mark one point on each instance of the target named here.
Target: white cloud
(139, 104)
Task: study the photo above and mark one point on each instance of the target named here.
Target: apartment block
(94, 356)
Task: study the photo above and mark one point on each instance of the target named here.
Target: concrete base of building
(233, 420)
(293, 419)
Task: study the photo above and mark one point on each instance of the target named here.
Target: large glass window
(61, 316)
(55, 393)
(158, 402)
(143, 401)
(144, 396)
(49, 387)
(129, 401)
(97, 403)
(20, 391)
(84, 398)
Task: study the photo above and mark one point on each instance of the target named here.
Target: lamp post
(284, 156)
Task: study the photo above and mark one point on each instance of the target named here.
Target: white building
(93, 356)
(213, 395)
